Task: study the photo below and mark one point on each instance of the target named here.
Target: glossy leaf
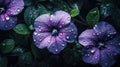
(3, 61)
(28, 2)
(74, 12)
(7, 45)
(31, 13)
(21, 29)
(25, 59)
(93, 16)
(35, 51)
(106, 9)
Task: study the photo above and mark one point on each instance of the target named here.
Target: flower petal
(115, 42)
(68, 33)
(107, 56)
(41, 27)
(15, 7)
(104, 30)
(60, 18)
(91, 55)
(44, 19)
(87, 37)
(41, 39)
(4, 2)
(7, 22)
(57, 46)
(1, 2)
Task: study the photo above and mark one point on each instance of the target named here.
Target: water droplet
(92, 51)
(48, 41)
(84, 41)
(63, 23)
(7, 18)
(38, 34)
(56, 50)
(71, 30)
(60, 26)
(39, 30)
(107, 4)
(67, 37)
(68, 19)
(87, 55)
(100, 32)
(108, 35)
(6, 26)
(61, 34)
(18, 10)
(95, 25)
(106, 64)
(51, 17)
(3, 44)
(39, 26)
(96, 57)
(97, 33)
(40, 39)
(13, 2)
(34, 40)
(93, 33)
(35, 33)
(114, 32)
(63, 45)
(75, 36)
(118, 43)
(94, 11)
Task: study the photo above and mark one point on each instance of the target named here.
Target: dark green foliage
(21, 29)
(17, 48)
(7, 45)
(93, 16)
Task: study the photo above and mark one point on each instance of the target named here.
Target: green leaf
(74, 12)
(3, 61)
(106, 9)
(31, 13)
(116, 18)
(35, 51)
(17, 51)
(21, 29)
(20, 40)
(28, 2)
(25, 59)
(93, 16)
(7, 45)
(38, 53)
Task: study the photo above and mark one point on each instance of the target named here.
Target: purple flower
(8, 11)
(100, 44)
(53, 31)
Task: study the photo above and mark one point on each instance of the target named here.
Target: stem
(81, 22)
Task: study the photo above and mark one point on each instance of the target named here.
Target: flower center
(2, 10)
(54, 32)
(101, 45)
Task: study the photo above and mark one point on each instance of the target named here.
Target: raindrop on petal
(34, 40)
(56, 50)
(35, 33)
(93, 33)
(63, 45)
(92, 51)
(67, 37)
(68, 19)
(18, 10)
(118, 43)
(51, 17)
(7, 18)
